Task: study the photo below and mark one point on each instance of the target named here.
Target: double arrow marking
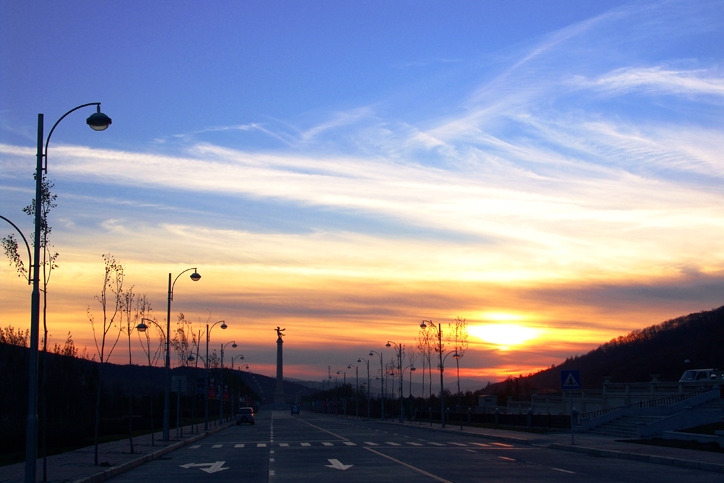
(212, 467)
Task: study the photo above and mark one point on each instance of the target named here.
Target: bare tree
(458, 337)
(181, 342)
(112, 302)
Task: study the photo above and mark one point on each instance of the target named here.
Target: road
(310, 447)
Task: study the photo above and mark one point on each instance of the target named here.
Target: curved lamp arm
(194, 276)
(97, 121)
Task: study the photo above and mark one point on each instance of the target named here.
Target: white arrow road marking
(212, 467)
(337, 465)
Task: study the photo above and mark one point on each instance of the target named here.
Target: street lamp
(206, 383)
(221, 382)
(442, 368)
(356, 389)
(399, 368)
(369, 384)
(166, 397)
(382, 381)
(142, 328)
(98, 122)
(402, 376)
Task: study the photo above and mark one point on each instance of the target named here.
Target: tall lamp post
(369, 385)
(236, 400)
(98, 122)
(206, 380)
(382, 380)
(166, 397)
(142, 328)
(356, 389)
(438, 328)
(402, 376)
(398, 347)
(221, 382)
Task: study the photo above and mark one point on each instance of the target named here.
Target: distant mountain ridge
(661, 349)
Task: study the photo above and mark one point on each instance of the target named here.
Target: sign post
(571, 380)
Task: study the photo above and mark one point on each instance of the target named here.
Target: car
(295, 409)
(245, 415)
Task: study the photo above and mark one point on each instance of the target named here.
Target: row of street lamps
(401, 371)
(98, 122)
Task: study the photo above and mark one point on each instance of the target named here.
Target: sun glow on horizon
(504, 335)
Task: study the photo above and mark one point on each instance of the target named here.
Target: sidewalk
(114, 458)
(602, 446)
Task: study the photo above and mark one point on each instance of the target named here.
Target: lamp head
(371, 354)
(359, 360)
(423, 325)
(234, 345)
(98, 121)
(456, 356)
(349, 366)
(141, 327)
(223, 325)
(388, 345)
(413, 369)
(195, 276)
(191, 358)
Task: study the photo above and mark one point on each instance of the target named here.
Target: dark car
(295, 409)
(245, 415)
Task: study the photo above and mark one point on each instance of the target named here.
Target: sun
(504, 335)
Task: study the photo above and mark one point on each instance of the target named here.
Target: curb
(129, 465)
(659, 460)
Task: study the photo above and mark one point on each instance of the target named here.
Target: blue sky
(355, 167)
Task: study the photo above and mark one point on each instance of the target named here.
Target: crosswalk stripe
(217, 446)
(482, 444)
(240, 445)
(413, 444)
(457, 444)
(436, 444)
(392, 444)
(261, 445)
(327, 444)
(284, 444)
(195, 446)
(306, 444)
(350, 443)
(371, 443)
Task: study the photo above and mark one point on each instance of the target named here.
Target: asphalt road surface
(317, 448)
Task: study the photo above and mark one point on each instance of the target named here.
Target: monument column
(279, 391)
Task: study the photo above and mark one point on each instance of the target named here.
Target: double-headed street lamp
(98, 122)
(369, 384)
(382, 380)
(206, 383)
(221, 382)
(398, 348)
(167, 398)
(356, 389)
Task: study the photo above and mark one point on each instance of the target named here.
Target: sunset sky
(550, 171)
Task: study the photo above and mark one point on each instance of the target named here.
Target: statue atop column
(279, 391)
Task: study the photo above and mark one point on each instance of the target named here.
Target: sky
(549, 171)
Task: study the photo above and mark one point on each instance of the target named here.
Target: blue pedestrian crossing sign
(571, 379)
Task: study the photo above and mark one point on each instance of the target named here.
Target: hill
(659, 349)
